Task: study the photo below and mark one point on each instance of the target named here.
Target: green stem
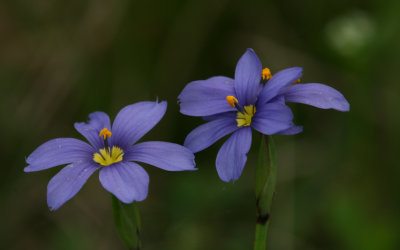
(265, 182)
(127, 222)
(261, 236)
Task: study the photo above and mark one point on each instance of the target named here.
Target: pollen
(243, 119)
(107, 157)
(297, 81)
(266, 74)
(105, 133)
(231, 100)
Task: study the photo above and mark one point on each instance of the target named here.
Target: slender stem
(127, 222)
(265, 181)
(261, 236)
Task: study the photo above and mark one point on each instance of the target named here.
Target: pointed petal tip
(52, 209)
(28, 169)
(193, 167)
(296, 71)
(316, 94)
(250, 50)
(76, 124)
(164, 104)
(293, 130)
(52, 205)
(297, 68)
(228, 180)
(345, 106)
(161, 102)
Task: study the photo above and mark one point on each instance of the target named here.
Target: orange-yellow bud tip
(231, 100)
(105, 133)
(266, 74)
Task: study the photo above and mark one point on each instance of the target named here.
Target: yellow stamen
(244, 119)
(266, 74)
(297, 81)
(105, 133)
(231, 100)
(107, 157)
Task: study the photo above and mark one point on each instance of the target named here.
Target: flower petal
(317, 95)
(207, 134)
(247, 78)
(271, 118)
(230, 114)
(66, 184)
(207, 97)
(58, 152)
(164, 155)
(135, 120)
(292, 130)
(126, 180)
(278, 81)
(97, 121)
(232, 156)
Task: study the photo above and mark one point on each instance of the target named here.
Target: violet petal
(135, 120)
(128, 181)
(232, 156)
(207, 97)
(247, 78)
(57, 152)
(67, 183)
(164, 155)
(271, 118)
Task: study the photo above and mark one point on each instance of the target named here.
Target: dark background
(338, 184)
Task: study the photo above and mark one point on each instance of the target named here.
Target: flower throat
(107, 156)
(244, 114)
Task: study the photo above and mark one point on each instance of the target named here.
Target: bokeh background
(338, 184)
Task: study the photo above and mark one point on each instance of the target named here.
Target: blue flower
(112, 151)
(253, 100)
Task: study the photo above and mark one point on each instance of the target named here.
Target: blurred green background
(338, 184)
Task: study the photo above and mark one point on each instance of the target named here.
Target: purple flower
(253, 100)
(112, 151)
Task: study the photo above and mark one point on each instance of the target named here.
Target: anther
(266, 74)
(105, 133)
(297, 81)
(231, 100)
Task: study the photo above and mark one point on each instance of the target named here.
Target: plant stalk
(265, 182)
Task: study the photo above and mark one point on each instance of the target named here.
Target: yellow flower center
(108, 156)
(243, 119)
